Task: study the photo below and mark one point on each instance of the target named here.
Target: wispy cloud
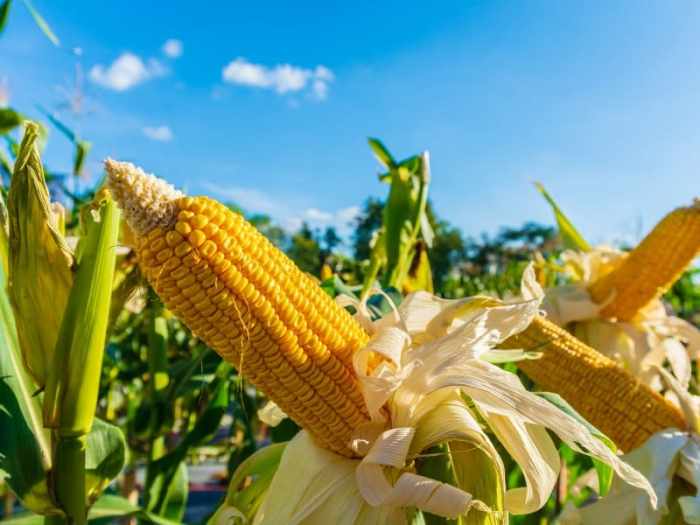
(249, 199)
(173, 48)
(159, 133)
(338, 219)
(127, 71)
(282, 78)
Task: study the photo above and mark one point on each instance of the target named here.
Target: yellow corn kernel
(613, 400)
(250, 303)
(652, 267)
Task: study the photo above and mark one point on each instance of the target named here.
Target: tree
(369, 221)
(269, 229)
(305, 250)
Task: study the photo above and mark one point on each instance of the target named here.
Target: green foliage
(164, 400)
(9, 118)
(4, 14)
(41, 23)
(570, 236)
(305, 250)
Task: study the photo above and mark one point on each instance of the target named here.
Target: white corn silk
(651, 340)
(434, 383)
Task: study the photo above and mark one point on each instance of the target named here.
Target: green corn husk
(39, 259)
(72, 387)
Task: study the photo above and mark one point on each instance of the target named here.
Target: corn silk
(653, 339)
(437, 382)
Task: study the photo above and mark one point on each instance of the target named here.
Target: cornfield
(169, 358)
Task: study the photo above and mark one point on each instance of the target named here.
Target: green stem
(69, 477)
(54, 520)
(372, 273)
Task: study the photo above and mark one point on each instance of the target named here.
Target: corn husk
(70, 398)
(40, 261)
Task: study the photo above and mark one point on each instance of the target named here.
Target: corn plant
(399, 248)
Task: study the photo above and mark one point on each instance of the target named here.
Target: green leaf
(5, 165)
(382, 154)
(168, 496)
(420, 275)
(82, 148)
(42, 24)
(450, 447)
(25, 452)
(249, 485)
(604, 471)
(4, 12)
(9, 120)
(570, 236)
(402, 216)
(105, 457)
(59, 125)
(163, 472)
(108, 506)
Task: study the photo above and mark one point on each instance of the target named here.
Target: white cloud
(255, 201)
(348, 214)
(283, 78)
(159, 133)
(127, 71)
(250, 199)
(339, 219)
(173, 48)
(316, 215)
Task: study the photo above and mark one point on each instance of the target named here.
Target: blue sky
(270, 104)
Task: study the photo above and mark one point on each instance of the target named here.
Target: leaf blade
(570, 235)
(42, 24)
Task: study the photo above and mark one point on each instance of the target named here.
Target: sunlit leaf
(401, 216)
(42, 24)
(59, 125)
(9, 120)
(163, 471)
(453, 449)
(4, 13)
(249, 485)
(420, 275)
(382, 154)
(105, 457)
(25, 451)
(570, 236)
(168, 496)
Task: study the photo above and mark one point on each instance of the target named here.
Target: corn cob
(610, 398)
(652, 267)
(249, 302)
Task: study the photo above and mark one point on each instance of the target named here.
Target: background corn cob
(249, 302)
(606, 395)
(652, 267)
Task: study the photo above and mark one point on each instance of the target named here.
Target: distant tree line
(461, 265)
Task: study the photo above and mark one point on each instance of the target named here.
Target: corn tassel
(652, 267)
(247, 301)
(605, 394)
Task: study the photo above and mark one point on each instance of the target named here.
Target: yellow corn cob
(247, 301)
(610, 398)
(652, 267)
